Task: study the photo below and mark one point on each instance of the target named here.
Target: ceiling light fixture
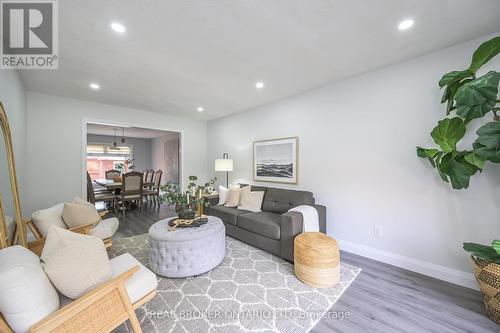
(200, 109)
(118, 27)
(406, 24)
(94, 86)
(259, 85)
(115, 146)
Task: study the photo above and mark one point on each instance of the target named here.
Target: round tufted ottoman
(186, 251)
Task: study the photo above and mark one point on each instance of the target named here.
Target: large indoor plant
(469, 96)
(187, 202)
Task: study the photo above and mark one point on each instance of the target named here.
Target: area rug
(250, 291)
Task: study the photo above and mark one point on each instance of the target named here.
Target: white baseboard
(436, 271)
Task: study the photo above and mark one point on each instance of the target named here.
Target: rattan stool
(317, 259)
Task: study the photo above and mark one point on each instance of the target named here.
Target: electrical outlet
(378, 232)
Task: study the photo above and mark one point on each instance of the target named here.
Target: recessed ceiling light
(118, 27)
(200, 109)
(406, 24)
(259, 85)
(94, 86)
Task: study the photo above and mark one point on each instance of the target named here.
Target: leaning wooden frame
(100, 310)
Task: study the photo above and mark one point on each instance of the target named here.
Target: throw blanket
(310, 218)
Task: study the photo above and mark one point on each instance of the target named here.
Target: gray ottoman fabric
(186, 251)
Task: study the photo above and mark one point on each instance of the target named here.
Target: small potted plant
(186, 203)
(486, 262)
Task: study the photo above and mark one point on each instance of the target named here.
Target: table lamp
(224, 164)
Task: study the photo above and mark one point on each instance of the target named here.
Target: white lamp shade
(223, 164)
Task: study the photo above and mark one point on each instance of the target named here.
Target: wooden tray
(199, 221)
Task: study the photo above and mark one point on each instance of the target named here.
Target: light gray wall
(55, 141)
(141, 148)
(357, 154)
(165, 156)
(13, 98)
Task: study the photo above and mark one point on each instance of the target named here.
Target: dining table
(110, 184)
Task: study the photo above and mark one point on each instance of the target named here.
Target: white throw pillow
(233, 197)
(251, 201)
(45, 218)
(26, 294)
(75, 263)
(224, 193)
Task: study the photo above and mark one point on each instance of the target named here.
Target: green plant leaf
(449, 94)
(441, 165)
(454, 76)
(484, 252)
(489, 154)
(475, 160)
(448, 132)
(489, 135)
(459, 171)
(476, 98)
(496, 245)
(484, 53)
(487, 144)
(430, 154)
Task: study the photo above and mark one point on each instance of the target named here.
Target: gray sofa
(273, 229)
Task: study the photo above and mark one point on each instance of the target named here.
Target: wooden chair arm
(90, 307)
(83, 229)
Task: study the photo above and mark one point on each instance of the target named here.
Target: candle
(187, 196)
(200, 193)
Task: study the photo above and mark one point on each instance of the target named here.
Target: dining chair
(151, 176)
(94, 197)
(110, 174)
(154, 191)
(145, 175)
(132, 189)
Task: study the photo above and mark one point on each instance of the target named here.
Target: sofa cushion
(227, 214)
(26, 294)
(141, 283)
(233, 197)
(251, 200)
(280, 201)
(264, 223)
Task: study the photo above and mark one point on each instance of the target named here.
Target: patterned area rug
(250, 291)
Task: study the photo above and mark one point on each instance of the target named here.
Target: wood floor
(382, 298)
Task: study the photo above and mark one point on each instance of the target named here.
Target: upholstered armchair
(42, 220)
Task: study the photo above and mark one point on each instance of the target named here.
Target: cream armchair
(27, 304)
(42, 220)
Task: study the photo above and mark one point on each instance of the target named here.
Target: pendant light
(115, 147)
(122, 140)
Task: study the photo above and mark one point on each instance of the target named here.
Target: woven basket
(488, 277)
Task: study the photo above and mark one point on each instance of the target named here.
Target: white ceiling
(178, 55)
(130, 132)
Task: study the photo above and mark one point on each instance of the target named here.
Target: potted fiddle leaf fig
(470, 96)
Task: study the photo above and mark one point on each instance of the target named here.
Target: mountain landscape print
(276, 160)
